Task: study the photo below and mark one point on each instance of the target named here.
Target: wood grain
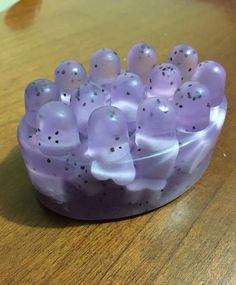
(189, 241)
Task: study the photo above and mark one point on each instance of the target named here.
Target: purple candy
(164, 79)
(127, 92)
(213, 76)
(141, 59)
(38, 93)
(185, 58)
(104, 66)
(57, 129)
(83, 102)
(192, 107)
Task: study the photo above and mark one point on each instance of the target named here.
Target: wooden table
(189, 241)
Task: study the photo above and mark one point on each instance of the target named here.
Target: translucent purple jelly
(114, 143)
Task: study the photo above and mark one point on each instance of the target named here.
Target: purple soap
(69, 75)
(115, 143)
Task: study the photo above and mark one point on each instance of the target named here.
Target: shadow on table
(22, 14)
(17, 200)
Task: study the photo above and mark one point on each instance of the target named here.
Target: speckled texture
(119, 150)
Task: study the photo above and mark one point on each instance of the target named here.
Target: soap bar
(117, 143)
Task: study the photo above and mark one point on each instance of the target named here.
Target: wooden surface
(191, 240)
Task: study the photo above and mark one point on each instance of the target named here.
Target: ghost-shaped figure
(108, 146)
(38, 93)
(69, 75)
(197, 145)
(164, 79)
(104, 67)
(57, 130)
(47, 172)
(213, 76)
(185, 58)
(127, 92)
(141, 59)
(192, 107)
(83, 102)
(156, 144)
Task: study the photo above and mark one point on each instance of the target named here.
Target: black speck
(56, 141)
(182, 78)
(49, 137)
(208, 105)
(85, 181)
(139, 149)
(180, 106)
(175, 52)
(139, 127)
(120, 147)
(38, 94)
(144, 109)
(150, 87)
(82, 167)
(84, 104)
(190, 69)
(64, 94)
(95, 65)
(56, 133)
(29, 137)
(171, 83)
(171, 58)
(193, 127)
(112, 149)
(66, 168)
(75, 73)
(63, 72)
(127, 93)
(194, 98)
(117, 138)
(162, 190)
(48, 160)
(103, 90)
